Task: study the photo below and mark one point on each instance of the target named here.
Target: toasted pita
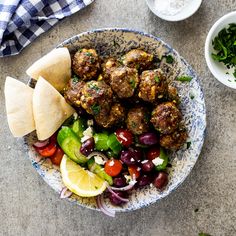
(55, 67)
(50, 109)
(18, 97)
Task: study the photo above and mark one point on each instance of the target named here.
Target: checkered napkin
(21, 21)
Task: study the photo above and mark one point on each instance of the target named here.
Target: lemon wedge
(80, 181)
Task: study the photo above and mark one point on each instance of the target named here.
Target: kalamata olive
(144, 180)
(153, 153)
(160, 180)
(114, 200)
(119, 181)
(87, 146)
(136, 153)
(127, 157)
(147, 166)
(148, 139)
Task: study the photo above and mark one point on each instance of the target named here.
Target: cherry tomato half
(153, 153)
(134, 171)
(57, 156)
(125, 137)
(47, 151)
(113, 167)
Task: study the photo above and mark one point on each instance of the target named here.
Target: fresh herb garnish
(192, 96)
(184, 78)
(137, 66)
(234, 74)
(96, 109)
(203, 234)
(157, 79)
(225, 45)
(196, 210)
(133, 125)
(75, 79)
(169, 59)
(132, 83)
(94, 87)
(89, 54)
(188, 144)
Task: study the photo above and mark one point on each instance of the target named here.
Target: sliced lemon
(80, 181)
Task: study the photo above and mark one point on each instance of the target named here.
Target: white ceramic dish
(185, 13)
(218, 69)
(114, 42)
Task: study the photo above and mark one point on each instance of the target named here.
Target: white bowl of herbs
(220, 50)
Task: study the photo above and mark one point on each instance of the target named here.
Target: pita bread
(18, 97)
(55, 67)
(50, 109)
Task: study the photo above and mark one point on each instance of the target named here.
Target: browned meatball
(115, 117)
(152, 85)
(73, 92)
(173, 141)
(124, 81)
(166, 117)
(108, 67)
(96, 98)
(85, 64)
(138, 59)
(172, 94)
(138, 120)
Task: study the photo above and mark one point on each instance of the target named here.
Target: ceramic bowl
(185, 13)
(219, 70)
(115, 42)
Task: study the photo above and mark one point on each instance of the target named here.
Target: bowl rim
(144, 204)
(207, 49)
(168, 18)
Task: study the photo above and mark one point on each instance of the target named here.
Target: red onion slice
(65, 193)
(117, 196)
(101, 205)
(41, 144)
(126, 188)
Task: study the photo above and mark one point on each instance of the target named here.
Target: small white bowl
(218, 69)
(185, 13)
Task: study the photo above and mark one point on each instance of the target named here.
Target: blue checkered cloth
(21, 21)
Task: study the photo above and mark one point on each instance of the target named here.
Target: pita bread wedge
(50, 109)
(55, 67)
(18, 97)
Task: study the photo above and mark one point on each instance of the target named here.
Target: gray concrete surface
(29, 207)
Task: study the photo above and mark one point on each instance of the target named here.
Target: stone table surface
(30, 207)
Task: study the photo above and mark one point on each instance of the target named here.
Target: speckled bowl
(115, 42)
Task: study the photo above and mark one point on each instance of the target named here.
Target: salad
(107, 122)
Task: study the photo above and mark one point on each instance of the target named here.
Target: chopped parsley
(196, 210)
(192, 96)
(157, 79)
(225, 46)
(132, 83)
(96, 109)
(169, 59)
(75, 79)
(184, 78)
(94, 87)
(137, 66)
(133, 125)
(89, 54)
(203, 234)
(188, 144)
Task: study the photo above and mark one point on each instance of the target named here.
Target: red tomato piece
(113, 167)
(134, 171)
(125, 137)
(47, 151)
(57, 156)
(153, 153)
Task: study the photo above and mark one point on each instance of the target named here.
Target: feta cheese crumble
(157, 161)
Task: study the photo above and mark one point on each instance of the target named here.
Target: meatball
(138, 59)
(124, 81)
(108, 67)
(116, 116)
(85, 64)
(172, 94)
(96, 98)
(73, 92)
(166, 117)
(138, 120)
(173, 141)
(152, 85)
